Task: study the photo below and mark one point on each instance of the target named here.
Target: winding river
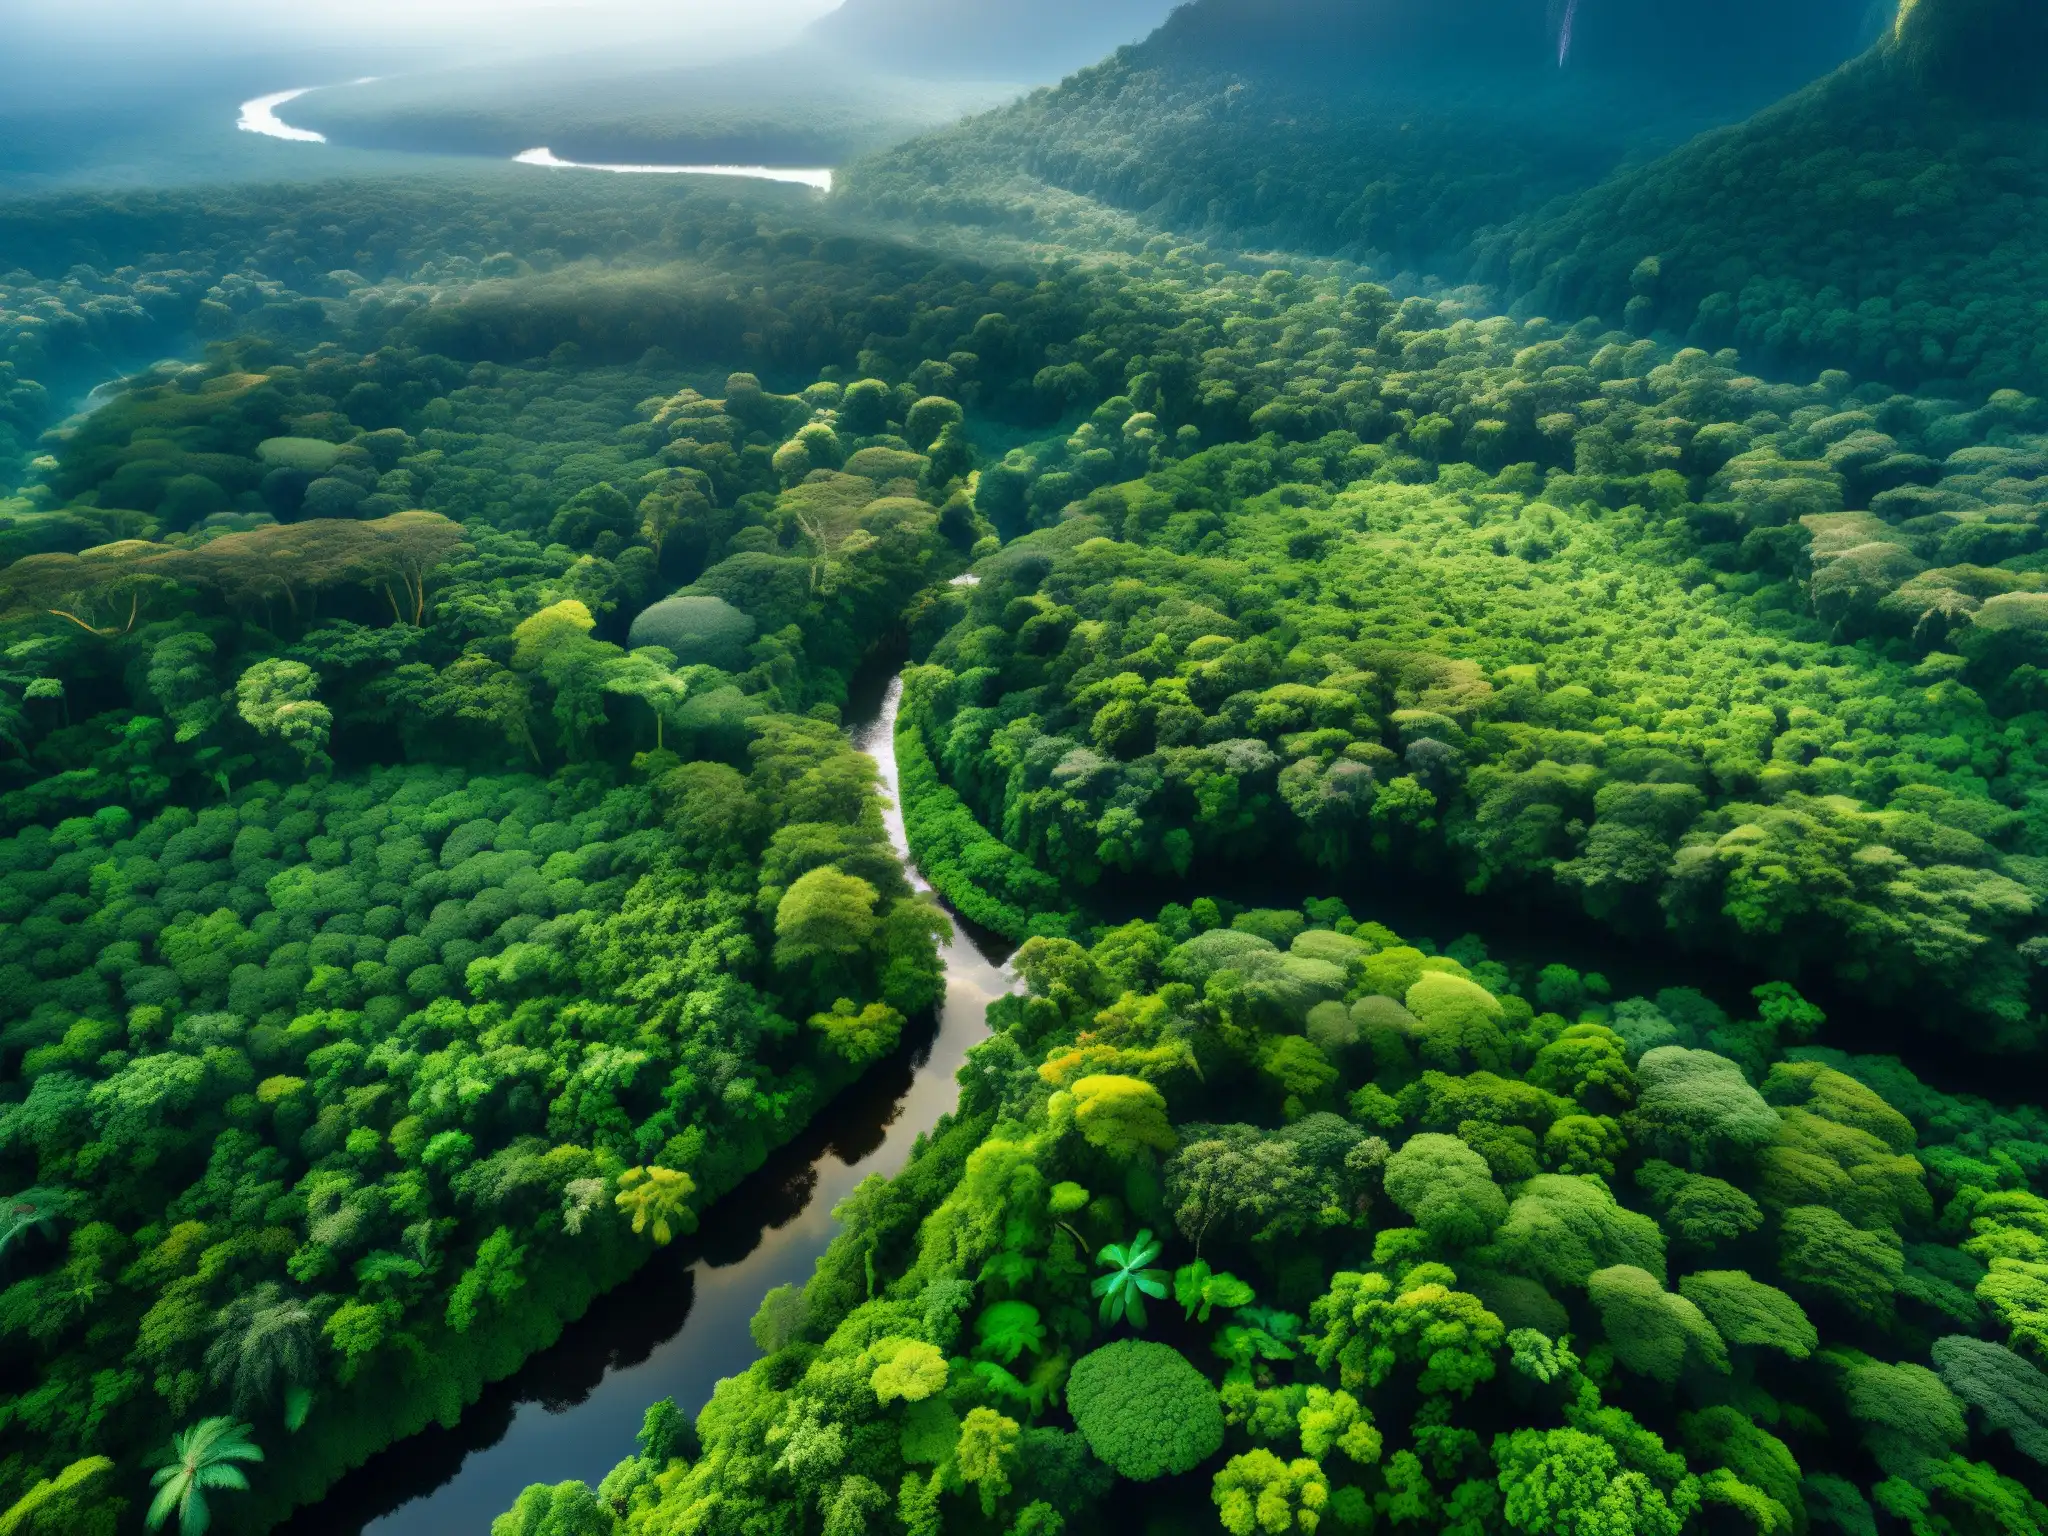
(259, 115)
(680, 1325)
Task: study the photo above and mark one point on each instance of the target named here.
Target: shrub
(700, 631)
(1144, 1410)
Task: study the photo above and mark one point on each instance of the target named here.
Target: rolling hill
(1385, 131)
(1840, 226)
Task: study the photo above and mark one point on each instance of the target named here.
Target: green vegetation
(1386, 134)
(432, 870)
(1144, 1411)
(1531, 1355)
(1668, 681)
(393, 956)
(1874, 221)
(1204, 149)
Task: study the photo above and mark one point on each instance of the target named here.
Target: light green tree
(658, 1200)
(822, 917)
(909, 1369)
(78, 1501)
(1124, 1116)
(276, 697)
(1367, 1328)
(986, 1452)
(1746, 1311)
(645, 676)
(180, 675)
(1258, 1494)
(1446, 1187)
(859, 1035)
(1652, 1331)
(566, 1509)
(203, 1459)
(1335, 1421)
(1565, 1482)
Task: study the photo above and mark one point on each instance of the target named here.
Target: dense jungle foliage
(1668, 676)
(411, 920)
(432, 869)
(1288, 1224)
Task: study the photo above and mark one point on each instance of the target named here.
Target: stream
(680, 1325)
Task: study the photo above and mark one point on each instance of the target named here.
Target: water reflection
(680, 1325)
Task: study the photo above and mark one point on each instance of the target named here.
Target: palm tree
(202, 1457)
(659, 1199)
(33, 1210)
(267, 1350)
(1124, 1289)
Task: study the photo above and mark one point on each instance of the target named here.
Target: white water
(820, 179)
(259, 115)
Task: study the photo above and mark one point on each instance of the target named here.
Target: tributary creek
(680, 1325)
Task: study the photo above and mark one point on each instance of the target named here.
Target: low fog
(158, 46)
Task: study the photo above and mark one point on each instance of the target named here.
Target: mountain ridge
(1382, 132)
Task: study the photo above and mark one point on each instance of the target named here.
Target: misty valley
(953, 768)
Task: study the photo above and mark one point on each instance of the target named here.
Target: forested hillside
(1879, 220)
(1614, 673)
(434, 869)
(1382, 132)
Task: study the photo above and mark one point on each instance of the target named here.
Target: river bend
(680, 1325)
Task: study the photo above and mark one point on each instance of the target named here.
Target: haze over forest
(1278, 765)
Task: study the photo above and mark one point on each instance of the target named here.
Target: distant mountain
(1386, 130)
(1014, 40)
(1889, 218)
(1759, 48)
